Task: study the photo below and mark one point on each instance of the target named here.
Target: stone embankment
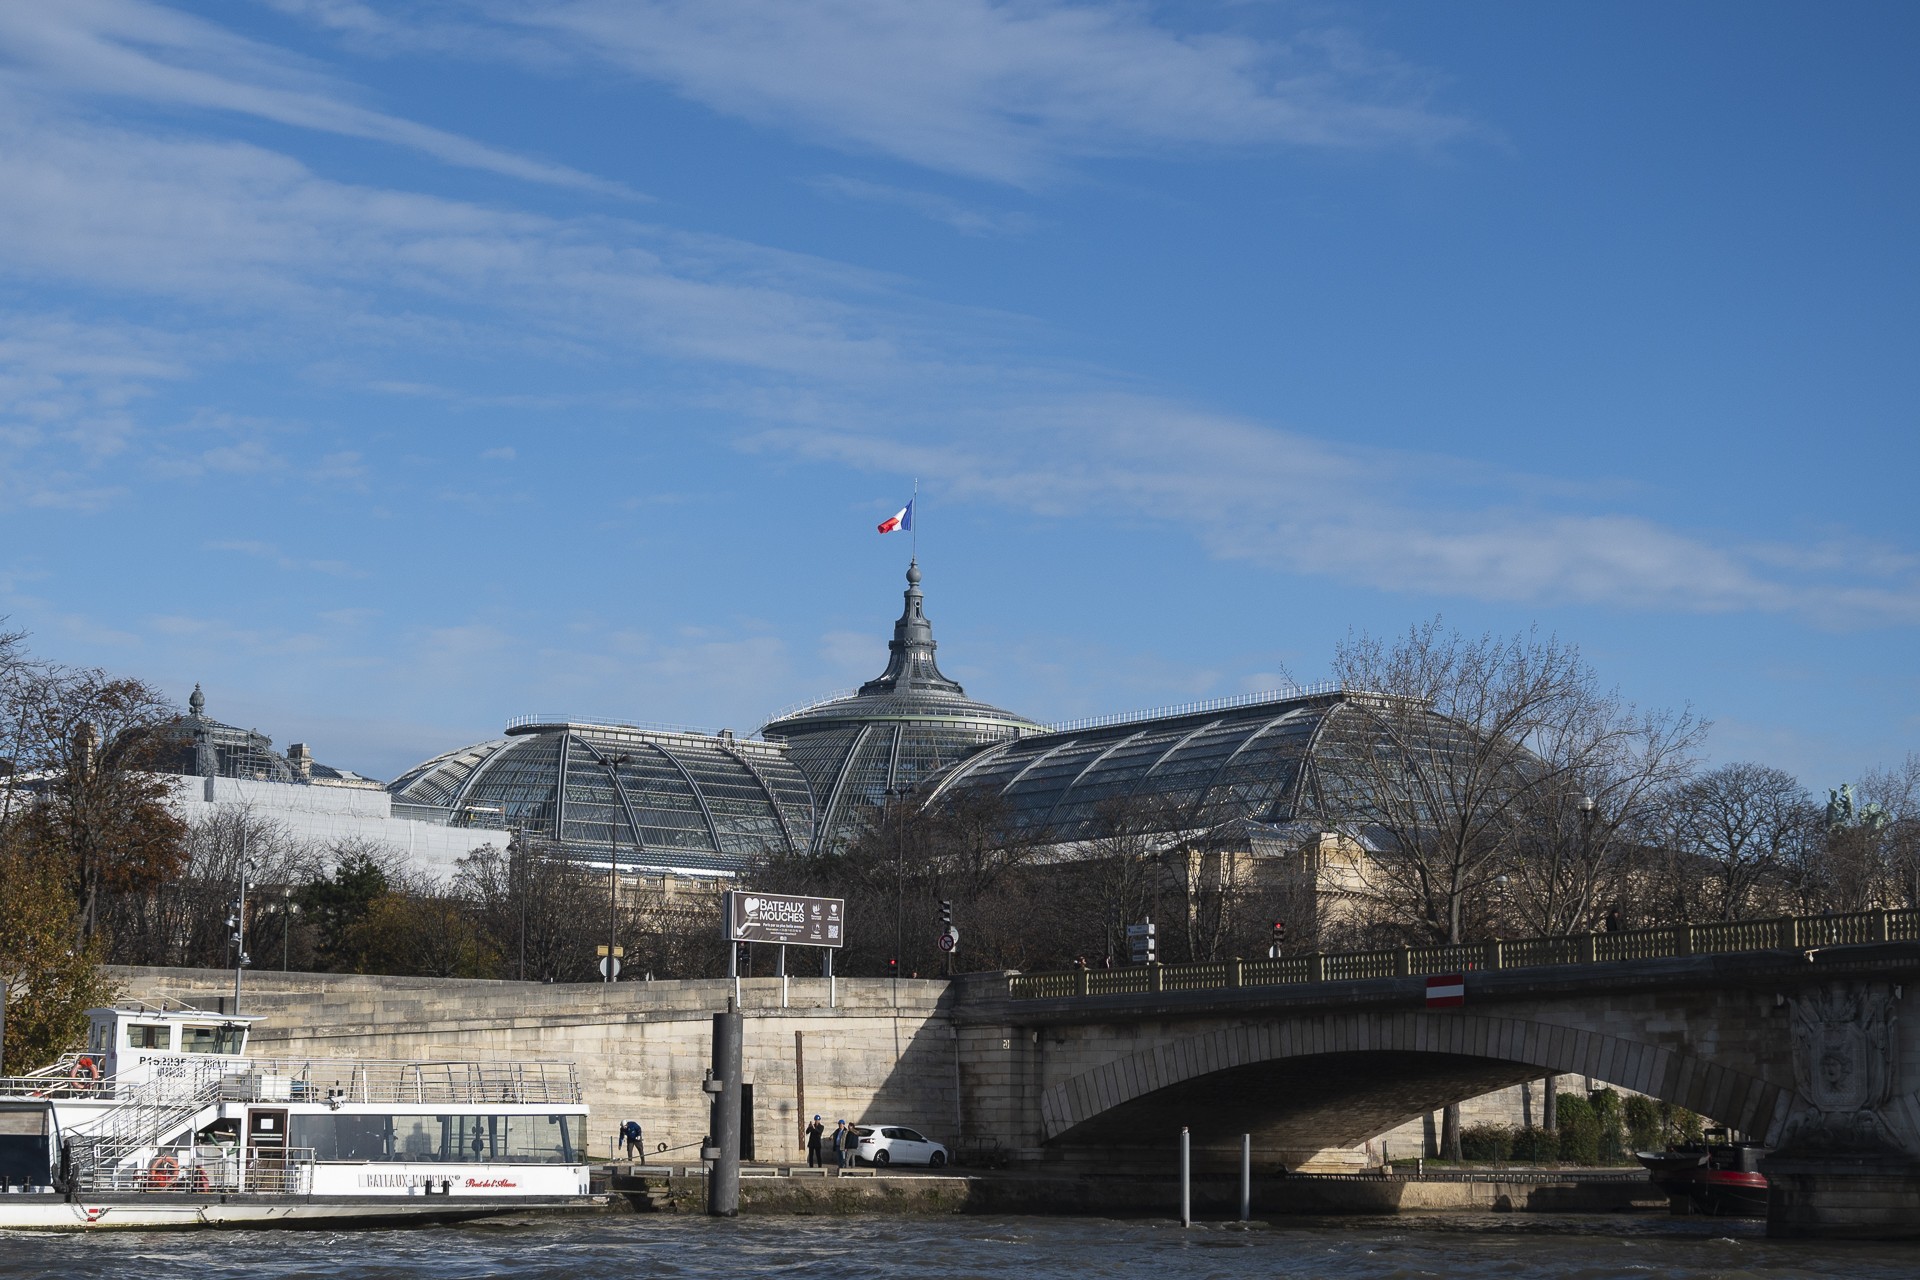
(802, 1191)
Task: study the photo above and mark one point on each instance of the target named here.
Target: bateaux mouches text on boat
(165, 1120)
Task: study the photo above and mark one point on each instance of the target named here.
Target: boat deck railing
(1790, 933)
(347, 1080)
(205, 1170)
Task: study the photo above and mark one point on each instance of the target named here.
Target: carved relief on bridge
(1846, 1068)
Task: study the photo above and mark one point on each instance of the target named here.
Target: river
(1504, 1247)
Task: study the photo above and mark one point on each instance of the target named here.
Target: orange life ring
(163, 1172)
(86, 1070)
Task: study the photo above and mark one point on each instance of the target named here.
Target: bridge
(1787, 1030)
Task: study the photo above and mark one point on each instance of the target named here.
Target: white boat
(165, 1121)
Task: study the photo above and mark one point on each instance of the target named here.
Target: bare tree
(531, 902)
(1891, 812)
(1746, 825)
(1434, 763)
(1607, 767)
(183, 919)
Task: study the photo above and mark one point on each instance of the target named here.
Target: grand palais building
(659, 801)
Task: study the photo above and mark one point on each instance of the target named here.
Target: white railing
(603, 722)
(821, 701)
(1293, 694)
(407, 1083)
(207, 1170)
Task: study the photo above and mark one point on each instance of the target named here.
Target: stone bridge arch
(1305, 1082)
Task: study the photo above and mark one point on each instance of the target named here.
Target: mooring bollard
(723, 1083)
(1246, 1176)
(1186, 1177)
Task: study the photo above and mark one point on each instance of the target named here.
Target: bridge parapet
(1787, 933)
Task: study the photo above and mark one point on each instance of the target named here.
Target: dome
(642, 797)
(197, 746)
(891, 734)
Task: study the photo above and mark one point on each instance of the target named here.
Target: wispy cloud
(1009, 92)
(272, 554)
(131, 49)
(936, 208)
(811, 348)
(121, 211)
(1396, 521)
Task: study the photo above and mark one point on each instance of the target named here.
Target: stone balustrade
(1789, 933)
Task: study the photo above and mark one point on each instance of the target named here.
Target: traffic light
(893, 967)
(1279, 939)
(946, 913)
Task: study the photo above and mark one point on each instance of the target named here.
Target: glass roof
(644, 798)
(1251, 762)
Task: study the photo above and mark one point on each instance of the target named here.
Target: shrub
(1579, 1130)
(1646, 1127)
(1610, 1146)
(1486, 1142)
(1535, 1146)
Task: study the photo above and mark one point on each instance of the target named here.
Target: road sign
(786, 919)
(604, 962)
(1142, 945)
(1446, 991)
(949, 938)
(618, 952)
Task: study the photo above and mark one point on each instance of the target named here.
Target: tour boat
(165, 1121)
(1722, 1178)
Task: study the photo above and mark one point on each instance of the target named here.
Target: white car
(885, 1144)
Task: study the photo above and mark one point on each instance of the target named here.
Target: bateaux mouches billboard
(786, 918)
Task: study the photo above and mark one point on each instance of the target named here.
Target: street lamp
(612, 764)
(237, 922)
(289, 909)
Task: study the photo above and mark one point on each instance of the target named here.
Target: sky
(395, 369)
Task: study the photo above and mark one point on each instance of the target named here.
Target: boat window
(436, 1139)
(211, 1039)
(149, 1035)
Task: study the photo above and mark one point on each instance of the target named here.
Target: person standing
(630, 1134)
(840, 1136)
(814, 1133)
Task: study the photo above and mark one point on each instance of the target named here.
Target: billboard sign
(786, 919)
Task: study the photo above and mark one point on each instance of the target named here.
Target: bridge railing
(1792, 933)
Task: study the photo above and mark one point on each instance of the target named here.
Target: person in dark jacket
(843, 1141)
(815, 1132)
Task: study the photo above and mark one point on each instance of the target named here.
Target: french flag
(900, 521)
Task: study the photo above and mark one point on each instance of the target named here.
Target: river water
(1505, 1247)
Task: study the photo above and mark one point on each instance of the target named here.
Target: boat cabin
(126, 1043)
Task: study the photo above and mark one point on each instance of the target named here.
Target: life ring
(86, 1071)
(163, 1173)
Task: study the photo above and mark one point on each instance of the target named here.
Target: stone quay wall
(642, 1048)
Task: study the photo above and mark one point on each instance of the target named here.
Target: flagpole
(916, 518)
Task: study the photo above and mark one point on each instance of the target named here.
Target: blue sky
(395, 369)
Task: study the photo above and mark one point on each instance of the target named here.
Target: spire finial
(197, 703)
(911, 664)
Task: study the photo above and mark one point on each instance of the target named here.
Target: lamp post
(613, 764)
(288, 910)
(238, 923)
